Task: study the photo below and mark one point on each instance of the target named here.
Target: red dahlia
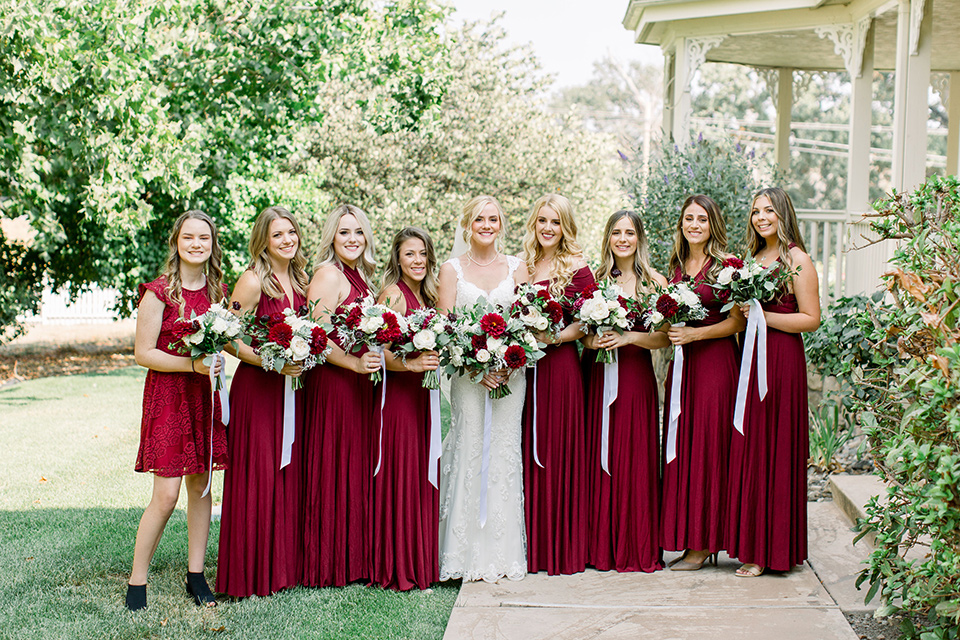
(554, 311)
(353, 318)
(493, 325)
(734, 262)
(667, 306)
(281, 334)
(318, 341)
(515, 357)
(478, 342)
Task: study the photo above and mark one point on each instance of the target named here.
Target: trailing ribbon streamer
(536, 457)
(611, 388)
(756, 332)
(485, 461)
(435, 444)
(224, 395)
(213, 416)
(675, 402)
(289, 419)
(383, 399)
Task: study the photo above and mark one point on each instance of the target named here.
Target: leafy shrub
(913, 418)
(830, 430)
(721, 169)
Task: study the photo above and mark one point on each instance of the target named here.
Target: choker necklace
(482, 264)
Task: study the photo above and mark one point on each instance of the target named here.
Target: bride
(470, 549)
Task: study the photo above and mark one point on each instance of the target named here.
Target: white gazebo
(916, 39)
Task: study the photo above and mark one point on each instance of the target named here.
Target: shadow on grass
(65, 570)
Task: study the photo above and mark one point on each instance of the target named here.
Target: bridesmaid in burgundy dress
(624, 504)
(406, 505)
(260, 543)
(554, 476)
(767, 523)
(338, 416)
(693, 508)
(175, 433)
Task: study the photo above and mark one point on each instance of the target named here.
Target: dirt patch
(62, 362)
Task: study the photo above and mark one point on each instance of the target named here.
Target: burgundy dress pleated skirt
(767, 523)
(406, 506)
(554, 494)
(338, 472)
(261, 526)
(624, 505)
(694, 495)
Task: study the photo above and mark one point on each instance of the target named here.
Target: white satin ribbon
(485, 461)
(289, 418)
(756, 332)
(224, 413)
(383, 399)
(536, 447)
(611, 388)
(675, 402)
(435, 444)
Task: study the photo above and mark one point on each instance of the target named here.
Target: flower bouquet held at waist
(290, 336)
(602, 307)
(536, 308)
(207, 334)
(741, 281)
(365, 323)
(676, 304)
(426, 331)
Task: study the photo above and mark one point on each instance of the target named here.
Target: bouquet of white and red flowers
(208, 333)
(536, 308)
(483, 339)
(426, 331)
(602, 307)
(290, 336)
(741, 281)
(365, 323)
(675, 305)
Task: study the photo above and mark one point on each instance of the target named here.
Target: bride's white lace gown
(498, 549)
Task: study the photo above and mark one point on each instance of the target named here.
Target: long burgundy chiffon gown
(406, 506)
(261, 527)
(624, 505)
(338, 472)
(693, 502)
(555, 494)
(767, 523)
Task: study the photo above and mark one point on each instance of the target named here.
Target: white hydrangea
(494, 344)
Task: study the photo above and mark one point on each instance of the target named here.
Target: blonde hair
(260, 261)
(326, 254)
(392, 274)
(212, 270)
(788, 229)
(568, 251)
(473, 209)
(641, 257)
(716, 245)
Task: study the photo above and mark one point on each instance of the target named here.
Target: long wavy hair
(260, 260)
(470, 212)
(568, 251)
(788, 229)
(392, 274)
(641, 257)
(211, 269)
(326, 254)
(716, 245)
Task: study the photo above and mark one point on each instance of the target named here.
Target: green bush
(913, 418)
(721, 169)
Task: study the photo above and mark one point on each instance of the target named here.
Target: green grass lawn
(70, 503)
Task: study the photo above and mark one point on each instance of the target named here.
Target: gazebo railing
(825, 233)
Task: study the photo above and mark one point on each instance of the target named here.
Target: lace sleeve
(159, 288)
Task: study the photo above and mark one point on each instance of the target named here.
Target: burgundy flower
(235, 305)
(277, 318)
(734, 262)
(390, 331)
(667, 306)
(543, 294)
(318, 340)
(554, 311)
(353, 318)
(303, 311)
(478, 342)
(515, 357)
(493, 325)
(264, 319)
(184, 328)
(281, 334)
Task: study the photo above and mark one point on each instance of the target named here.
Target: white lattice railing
(826, 235)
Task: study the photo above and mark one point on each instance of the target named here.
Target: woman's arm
(806, 287)
(734, 323)
(145, 351)
(247, 293)
(327, 290)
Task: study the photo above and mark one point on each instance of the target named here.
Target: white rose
(494, 344)
(457, 352)
(726, 276)
(597, 312)
(456, 360)
(542, 323)
(220, 325)
(501, 350)
(483, 355)
(371, 324)
(656, 318)
(424, 340)
(300, 348)
(531, 340)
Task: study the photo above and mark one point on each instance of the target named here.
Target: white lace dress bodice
(499, 548)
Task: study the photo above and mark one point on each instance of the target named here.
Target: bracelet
(193, 366)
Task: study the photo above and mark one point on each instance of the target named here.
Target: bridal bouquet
(365, 323)
(484, 339)
(676, 305)
(536, 308)
(426, 331)
(602, 307)
(740, 281)
(287, 337)
(206, 334)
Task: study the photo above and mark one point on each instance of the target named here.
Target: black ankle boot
(198, 588)
(136, 597)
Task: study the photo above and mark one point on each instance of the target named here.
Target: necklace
(482, 264)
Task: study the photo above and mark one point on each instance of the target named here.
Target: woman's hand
(591, 341)
(613, 340)
(428, 361)
(292, 369)
(745, 310)
(201, 367)
(368, 363)
(493, 380)
(683, 335)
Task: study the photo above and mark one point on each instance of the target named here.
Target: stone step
(852, 492)
(834, 557)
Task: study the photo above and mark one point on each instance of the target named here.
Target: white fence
(91, 307)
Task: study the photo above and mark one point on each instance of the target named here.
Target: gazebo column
(686, 57)
(781, 143)
(953, 123)
(669, 85)
(912, 77)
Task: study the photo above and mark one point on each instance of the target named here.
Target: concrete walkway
(804, 604)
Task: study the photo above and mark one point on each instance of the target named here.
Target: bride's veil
(460, 246)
